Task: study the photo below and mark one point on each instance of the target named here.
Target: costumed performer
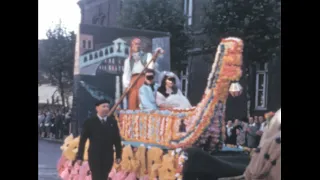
(133, 66)
(103, 133)
(169, 94)
(147, 92)
(265, 162)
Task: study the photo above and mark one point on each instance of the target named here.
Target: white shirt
(262, 126)
(102, 118)
(137, 68)
(229, 130)
(253, 124)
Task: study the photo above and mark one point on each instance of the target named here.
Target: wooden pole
(154, 57)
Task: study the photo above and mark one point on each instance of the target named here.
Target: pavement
(53, 140)
(48, 155)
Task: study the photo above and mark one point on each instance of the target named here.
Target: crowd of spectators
(241, 133)
(53, 123)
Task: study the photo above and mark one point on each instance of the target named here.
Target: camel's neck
(216, 87)
(212, 107)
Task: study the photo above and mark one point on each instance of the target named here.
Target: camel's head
(232, 63)
(66, 142)
(71, 151)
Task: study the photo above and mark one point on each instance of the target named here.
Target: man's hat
(98, 103)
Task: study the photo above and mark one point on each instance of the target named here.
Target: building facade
(261, 82)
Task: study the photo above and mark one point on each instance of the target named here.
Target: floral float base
(157, 163)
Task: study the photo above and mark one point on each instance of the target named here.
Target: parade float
(155, 141)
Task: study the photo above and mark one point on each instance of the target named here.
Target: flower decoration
(269, 115)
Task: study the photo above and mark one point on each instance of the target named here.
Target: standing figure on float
(133, 66)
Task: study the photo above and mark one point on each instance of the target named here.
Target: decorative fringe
(132, 166)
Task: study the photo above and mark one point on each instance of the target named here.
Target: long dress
(178, 100)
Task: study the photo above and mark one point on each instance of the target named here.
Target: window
(89, 44)
(100, 54)
(95, 55)
(188, 11)
(90, 57)
(119, 47)
(106, 52)
(184, 81)
(83, 43)
(111, 50)
(261, 86)
(85, 59)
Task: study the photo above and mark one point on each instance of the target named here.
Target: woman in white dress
(169, 94)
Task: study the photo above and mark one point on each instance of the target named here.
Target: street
(48, 154)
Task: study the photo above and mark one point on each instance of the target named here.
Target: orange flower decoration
(269, 115)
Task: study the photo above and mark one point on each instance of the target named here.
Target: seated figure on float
(147, 92)
(169, 93)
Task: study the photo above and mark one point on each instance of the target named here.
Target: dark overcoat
(102, 137)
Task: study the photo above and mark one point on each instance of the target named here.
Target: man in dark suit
(103, 133)
(59, 125)
(252, 134)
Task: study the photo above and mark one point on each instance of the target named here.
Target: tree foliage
(159, 15)
(257, 22)
(56, 58)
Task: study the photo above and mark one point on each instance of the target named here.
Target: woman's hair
(162, 88)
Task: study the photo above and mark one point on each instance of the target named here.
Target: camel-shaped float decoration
(172, 129)
(152, 133)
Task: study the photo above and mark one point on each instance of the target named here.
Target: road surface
(48, 155)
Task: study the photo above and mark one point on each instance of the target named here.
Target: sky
(50, 12)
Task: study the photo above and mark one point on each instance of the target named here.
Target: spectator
(52, 127)
(261, 127)
(59, 125)
(236, 123)
(66, 123)
(229, 127)
(47, 124)
(244, 122)
(251, 134)
(251, 121)
(244, 125)
(233, 137)
(240, 136)
(40, 122)
(255, 119)
(262, 123)
(42, 125)
(256, 122)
